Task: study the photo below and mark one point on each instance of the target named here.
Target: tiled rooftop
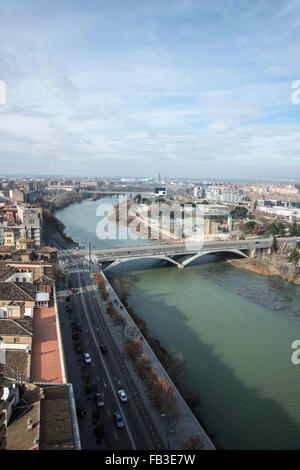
(17, 327)
(16, 361)
(18, 291)
(55, 425)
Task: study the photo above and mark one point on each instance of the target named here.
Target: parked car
(122, 395)
(103, 348)
(87, 390)
(87, 358)
(99, 399)
(118, 420)
(80, 409)
(78, 327)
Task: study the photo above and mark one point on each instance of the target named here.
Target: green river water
(234, 328)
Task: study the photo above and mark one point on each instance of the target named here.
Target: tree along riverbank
(174, 364)
(65, 199)
(161, 391)
(54, 232)
(273, 265)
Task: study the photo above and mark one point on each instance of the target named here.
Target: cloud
(286, 9)
(174, 87)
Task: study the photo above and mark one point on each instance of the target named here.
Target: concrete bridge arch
(171, 260)
(209, 252)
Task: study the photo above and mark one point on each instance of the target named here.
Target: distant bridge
(174, 251)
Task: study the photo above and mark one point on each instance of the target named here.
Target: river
(234, 328)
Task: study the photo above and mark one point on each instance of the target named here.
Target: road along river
(234, 328)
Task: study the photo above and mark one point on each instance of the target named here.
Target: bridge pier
(180, 266)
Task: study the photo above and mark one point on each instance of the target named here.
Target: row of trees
(117, 318)
(100, 283)
(121, 287)
(160, 391)
(275, 228)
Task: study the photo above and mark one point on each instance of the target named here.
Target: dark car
(78, 327)
(87, 390)
(103, 348)
(81, 410)
(99, 399)
(119, 420)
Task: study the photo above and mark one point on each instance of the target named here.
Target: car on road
(87, 391)
(118, 420)
(103, 348)
(78, 327)
(80, 409)
(122, 395)
(87, 358)
(99, 399)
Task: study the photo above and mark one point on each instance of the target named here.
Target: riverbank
(185, 424)
(138, 225)
(267, 267)
(209, 313)
(54, 232)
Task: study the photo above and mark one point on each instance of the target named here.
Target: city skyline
(182, 88)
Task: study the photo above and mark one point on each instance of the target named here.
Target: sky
(184, 88)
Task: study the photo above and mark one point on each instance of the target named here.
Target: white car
(122, 395)
(87, 358)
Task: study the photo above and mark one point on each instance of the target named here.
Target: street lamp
(169, 425)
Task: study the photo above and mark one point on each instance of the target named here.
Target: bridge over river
(172, 252)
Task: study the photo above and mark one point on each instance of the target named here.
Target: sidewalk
(187, 424)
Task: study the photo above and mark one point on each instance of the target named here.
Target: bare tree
(162, 395)
(118, 319)
(193, 443)
(178, 368)
(144, 366)
(117, 286)
(134, 349)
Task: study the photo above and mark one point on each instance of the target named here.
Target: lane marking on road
(115, 435)
(108, 412)
(103, 363)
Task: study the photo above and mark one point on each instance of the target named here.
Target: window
(16, 340)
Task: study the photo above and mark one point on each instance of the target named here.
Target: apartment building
(31, 217)
(225, 194)
(17, 195)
